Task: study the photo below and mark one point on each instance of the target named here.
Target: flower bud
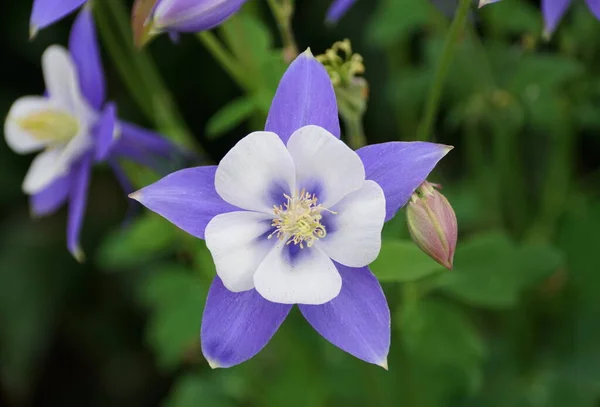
(432, 224)
(187, 15)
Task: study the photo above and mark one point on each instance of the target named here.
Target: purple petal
(553, 11)
(83, 46)
(594, 6)
(104, 131)
(399, 168)
(46, 12)
(193, 15)
(77, 202)
(338, 9)
(358, 319)
(305, 96)
(187, 198)
(51, 198)
(236, 326)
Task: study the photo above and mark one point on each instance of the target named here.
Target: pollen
(51, 126)
(299, 220)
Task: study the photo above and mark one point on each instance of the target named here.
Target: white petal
(238, 244)
(256, 173)
(43, 171)
(62, 83)
(354, 235)
(17, 138)
(325, 166)
(74, 149)
(306, 277)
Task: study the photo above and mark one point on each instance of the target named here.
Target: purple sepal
(305, 96)
(399, 168)
(46, 12)
(104, 132)
(236, 326)
(51, 198)
(83, 46)
(338, 9)
(77, 202)
(187, 198)
(358, 319)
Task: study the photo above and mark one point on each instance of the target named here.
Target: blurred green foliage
(514, 324)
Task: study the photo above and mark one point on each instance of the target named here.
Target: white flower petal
(43, 171)
(62, 83)
(354, 235)
(18, 139)
(290, 275)
(325, 166)
(256, 173)
(238, 244)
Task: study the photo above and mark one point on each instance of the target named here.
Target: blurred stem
(140, 74)
(355, 133)
(225, 58)
(283, 11)
(433, 99)
(557, 184)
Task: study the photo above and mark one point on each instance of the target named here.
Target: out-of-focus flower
(74, 127)
(174, 16)
(47, 12)
(432, 224)
(338, 9)
(292, 215)
(554, 10)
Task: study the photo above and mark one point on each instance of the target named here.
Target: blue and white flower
(73, 127)
(292, 215)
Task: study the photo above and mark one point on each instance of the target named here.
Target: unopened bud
(432, 224)
(152, 17)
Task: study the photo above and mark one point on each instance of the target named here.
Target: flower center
(299, 220)
(51, 126)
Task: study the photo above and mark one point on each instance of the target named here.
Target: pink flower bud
(432, 224)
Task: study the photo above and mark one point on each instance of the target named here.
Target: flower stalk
(441, 72)
(283, 11)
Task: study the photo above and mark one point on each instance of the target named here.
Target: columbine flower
(69, 125)
(188, 15)
(47, 12)
(554, 10)
(292, 215)
(338, 9)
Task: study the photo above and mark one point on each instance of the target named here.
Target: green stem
(557, 184)
(355, 133)
(140, 74)
(225, 58)
(283, 10)
(433, 100)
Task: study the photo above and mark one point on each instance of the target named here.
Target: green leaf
(230, 116)
(146, 238)
(443, 342)
(537, 72)
(491, 271)
(403, 261)
(176, 297)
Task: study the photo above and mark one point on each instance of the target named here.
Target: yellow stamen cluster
(50, 126)
(299, 220)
